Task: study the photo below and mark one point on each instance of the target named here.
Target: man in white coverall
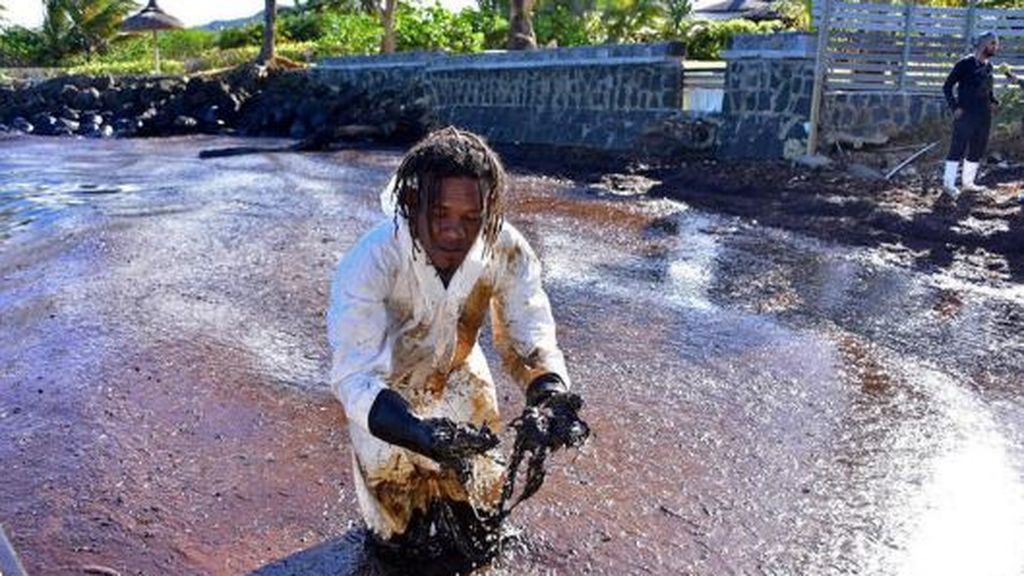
(407, 304)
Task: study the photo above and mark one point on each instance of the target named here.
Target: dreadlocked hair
(449, 153)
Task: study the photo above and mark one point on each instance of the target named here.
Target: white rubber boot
(967, 178)
(949, 179)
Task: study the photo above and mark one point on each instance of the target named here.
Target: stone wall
(768, 85)
(605, 97)
(630, 97)
(874, 117)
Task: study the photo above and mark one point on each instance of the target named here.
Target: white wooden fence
(907, 47)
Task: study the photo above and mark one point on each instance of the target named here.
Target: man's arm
(524, 328)
(357, 327)
(955, 76)
(524, 332)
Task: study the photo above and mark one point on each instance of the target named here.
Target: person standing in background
(972, 114)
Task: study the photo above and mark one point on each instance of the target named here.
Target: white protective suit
(393, 324)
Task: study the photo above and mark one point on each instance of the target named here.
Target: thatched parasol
(152, 19)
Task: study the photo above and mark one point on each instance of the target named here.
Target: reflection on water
(969, 509)
(40, 205)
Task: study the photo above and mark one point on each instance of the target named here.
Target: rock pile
(249, 101)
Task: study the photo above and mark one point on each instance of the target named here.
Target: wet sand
(762, 402)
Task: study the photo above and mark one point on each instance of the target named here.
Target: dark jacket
(974, 82)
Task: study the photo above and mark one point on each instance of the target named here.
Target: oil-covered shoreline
(761, 401)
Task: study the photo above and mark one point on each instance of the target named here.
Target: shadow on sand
(346, 555)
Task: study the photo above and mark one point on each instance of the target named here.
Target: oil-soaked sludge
(761, 403)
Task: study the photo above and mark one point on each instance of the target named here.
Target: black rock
(66, 127)
(308, 108)
(127, 126)
(92, 119)
(319, 118)
(185, 123)
(103, 83)
(44, 124)
(210, 114)
(198, 93)
(69, 113)
(68, 93)
(22, 125)
(79, 81)
(87, 99)
(111, 99)
(96, 131)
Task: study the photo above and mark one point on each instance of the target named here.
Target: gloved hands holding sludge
(443, 441)
(549, 422)
(552, 414)
(453, 444)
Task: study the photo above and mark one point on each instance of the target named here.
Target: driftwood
(322, 140)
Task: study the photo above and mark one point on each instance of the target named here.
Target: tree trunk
(520, 30)
(156, 53)
(269, 26)
(387, 17)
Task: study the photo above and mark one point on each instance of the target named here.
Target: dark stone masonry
(767, 103)
(605, 97)
(873, 118)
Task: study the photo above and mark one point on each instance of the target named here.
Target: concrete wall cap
(575, 55)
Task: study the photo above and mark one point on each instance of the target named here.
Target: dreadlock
(447, 153)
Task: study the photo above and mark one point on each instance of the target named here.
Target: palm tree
(520, 25)
(56, 30)
(269, 27)
(87, 25)
(387, 14)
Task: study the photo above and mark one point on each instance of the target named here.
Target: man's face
(990, 47)
(449, 232)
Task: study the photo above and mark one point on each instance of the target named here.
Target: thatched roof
(732, 9)
(150, 18)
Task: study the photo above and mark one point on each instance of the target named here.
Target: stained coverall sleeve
(524, 328)
(357, 324)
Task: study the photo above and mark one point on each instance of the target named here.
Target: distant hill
(257, 18)
(218, 25)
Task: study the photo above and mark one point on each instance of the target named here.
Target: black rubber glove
(443, 441)
(561, 424)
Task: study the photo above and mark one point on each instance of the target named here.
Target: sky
(29, 13)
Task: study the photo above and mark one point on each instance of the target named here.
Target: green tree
(337, 6)
(56, 30)
(633, 20)
(676, 12)
(558, 26)
(82, 25)
(20, 46)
